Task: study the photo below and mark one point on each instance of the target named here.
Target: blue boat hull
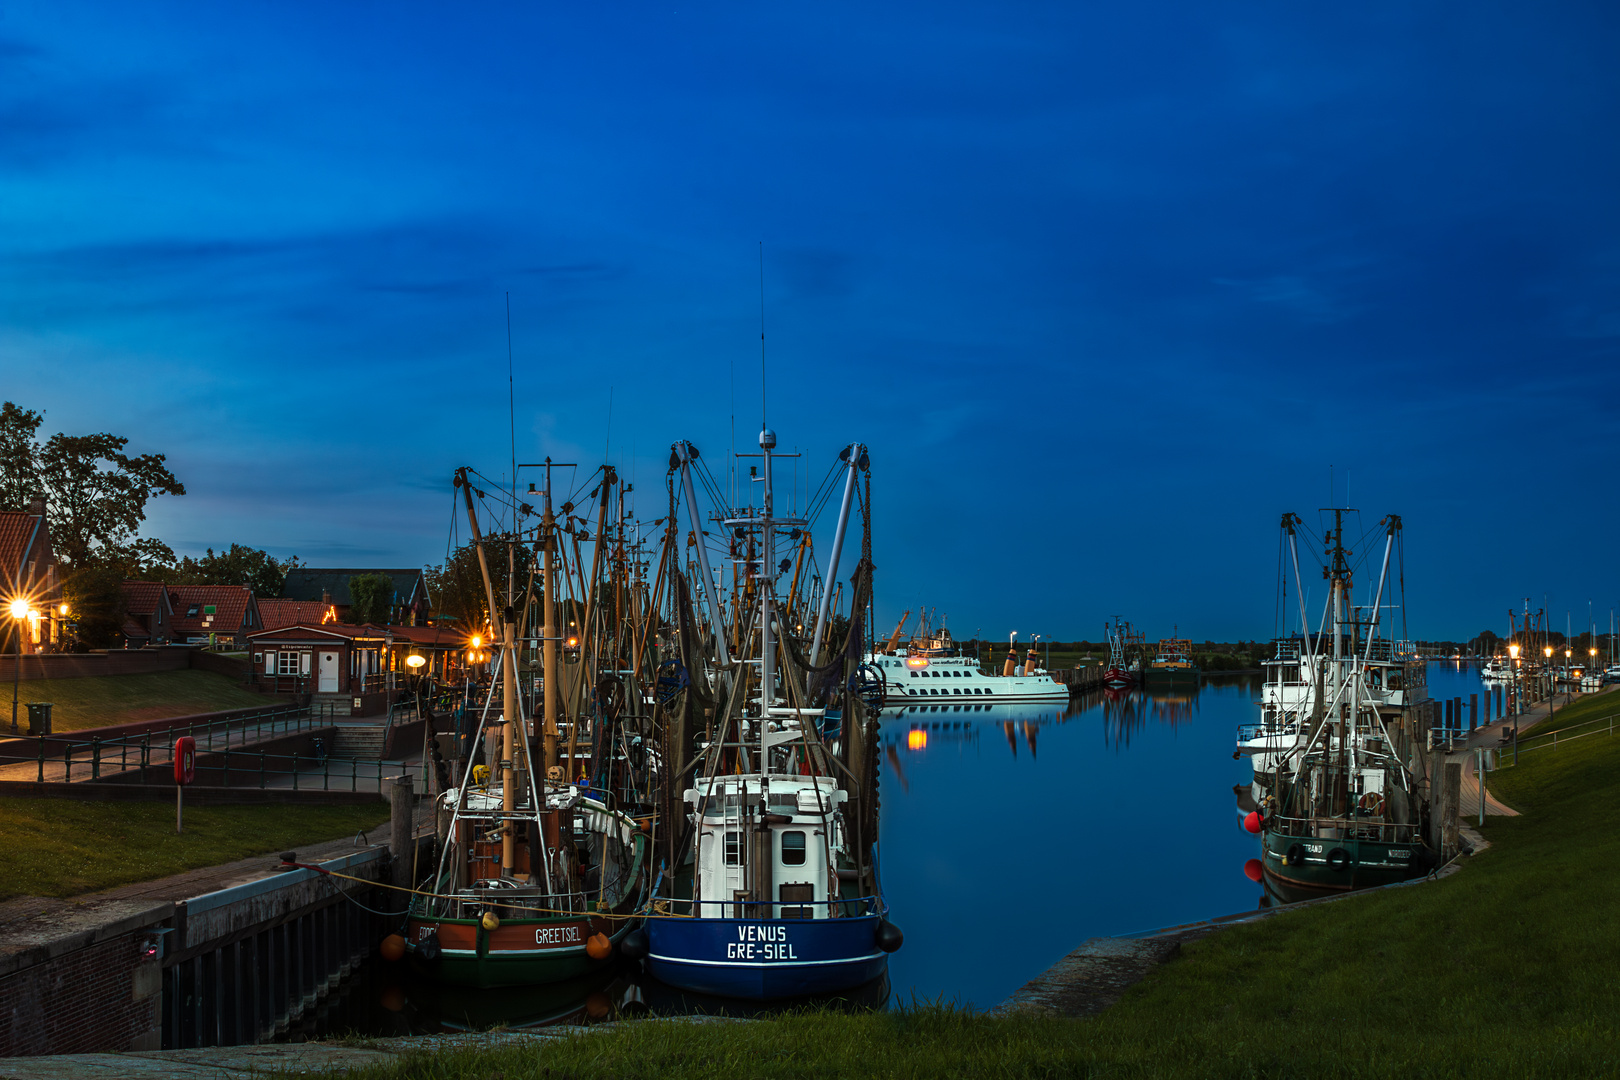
(765, 959)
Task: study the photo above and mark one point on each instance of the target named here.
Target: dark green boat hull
(1303, 867)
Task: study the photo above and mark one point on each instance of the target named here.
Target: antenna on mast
(762, 422)
(511, 405)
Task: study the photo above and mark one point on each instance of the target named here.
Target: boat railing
(847, 908)
(1328, 829)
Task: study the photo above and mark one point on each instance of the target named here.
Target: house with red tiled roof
(279, 613)
(205, 614)
(28, 572)
(149, 613)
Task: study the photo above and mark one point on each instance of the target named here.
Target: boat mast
(766, 567)
(851, 456)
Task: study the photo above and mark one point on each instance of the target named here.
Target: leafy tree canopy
(238, 565)
(457, 584)
(96, 494)
(372, 598)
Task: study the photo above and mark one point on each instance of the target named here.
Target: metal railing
(1603, 725)
(259, 767)
(99, 753)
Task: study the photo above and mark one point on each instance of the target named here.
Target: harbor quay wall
(228, 967)
(83, 980)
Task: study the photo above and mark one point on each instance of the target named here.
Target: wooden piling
(402, 806)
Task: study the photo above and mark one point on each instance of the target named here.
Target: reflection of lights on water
(916, 739)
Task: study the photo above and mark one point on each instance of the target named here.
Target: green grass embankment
(1505, 969)
(58, 847)
(102, 700)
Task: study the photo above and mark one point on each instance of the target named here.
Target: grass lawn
(59, 847)
(1509, 968)
(120, 699)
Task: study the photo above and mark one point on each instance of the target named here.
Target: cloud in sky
(1106, 290)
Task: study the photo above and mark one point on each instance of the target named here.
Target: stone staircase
(360, 741)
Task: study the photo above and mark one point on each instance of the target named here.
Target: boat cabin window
(1393, 680)
(733, 847)
(793, 848)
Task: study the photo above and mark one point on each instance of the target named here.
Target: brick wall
(84, 991)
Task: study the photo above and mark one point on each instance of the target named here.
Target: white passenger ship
(931, 671)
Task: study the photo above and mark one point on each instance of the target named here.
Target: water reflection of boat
(660, 999)
(431, 1007)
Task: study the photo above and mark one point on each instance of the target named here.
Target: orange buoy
(392, 947)
(1253, 870)
(393, 999)
(597, 1005)
(1252, 822)
(490, 921)
(598, 947)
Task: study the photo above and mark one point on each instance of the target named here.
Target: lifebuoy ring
(1294, 855)
(1371, 804)
(1338, 859)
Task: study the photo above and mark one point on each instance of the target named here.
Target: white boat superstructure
(943, 676)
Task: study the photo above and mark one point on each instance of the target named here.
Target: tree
(260, 571)
(19, 456)
(371, 599)
(97, 494)
(457, 584)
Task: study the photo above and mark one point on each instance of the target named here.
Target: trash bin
(39, 717)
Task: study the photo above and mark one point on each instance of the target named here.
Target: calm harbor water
(1009, 836)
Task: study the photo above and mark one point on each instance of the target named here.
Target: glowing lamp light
(19, 609)
(415, 661)
(477, 641)
(916, 661)
(1513, 651)
(1548, 651)
(916, 739)
(63, 611)
(572, 642)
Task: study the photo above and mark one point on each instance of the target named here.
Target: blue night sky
(1105, 289)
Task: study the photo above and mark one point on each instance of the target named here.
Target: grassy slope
(1505, 969)
(120, 699)
(57, 847)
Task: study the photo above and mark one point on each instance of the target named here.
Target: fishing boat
(772, 891)
(1124, 668)
(1339, 803)
(1172, 663)
(539, 876)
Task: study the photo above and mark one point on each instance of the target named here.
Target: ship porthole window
(793, 848)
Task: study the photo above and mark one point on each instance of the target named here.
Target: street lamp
(19, 612)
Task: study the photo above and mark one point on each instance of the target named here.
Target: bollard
(402, 805)
(1473, 712)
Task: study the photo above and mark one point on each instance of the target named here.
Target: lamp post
(1551, 686)
(19, 612)
(1513, 654)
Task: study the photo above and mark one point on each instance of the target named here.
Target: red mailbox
(185, 759)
